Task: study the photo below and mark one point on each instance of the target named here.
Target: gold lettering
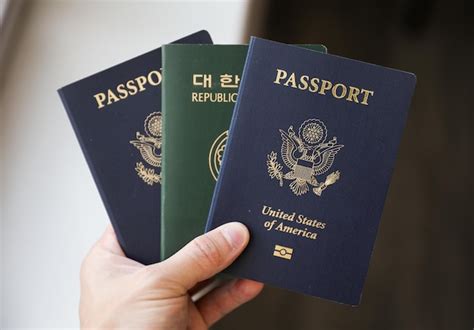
(202, 97)
(158, 78)
(304, 223)
(111, 97)
(314, 84)
(366, 96)
(303, 82)
(266, 209)
(325, 86)
(291, 80)
(353, 93)
(281, 74)
(141, 82)
(334, 91)
(322, 87)
(131, 87)
(122, 92)
(100, 98)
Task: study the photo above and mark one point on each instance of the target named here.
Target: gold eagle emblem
(149, 146)
(307, 155)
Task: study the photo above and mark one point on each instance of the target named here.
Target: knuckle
(207, 252)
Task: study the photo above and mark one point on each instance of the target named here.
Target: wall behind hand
(51, 212)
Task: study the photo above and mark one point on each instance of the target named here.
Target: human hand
(117, 292)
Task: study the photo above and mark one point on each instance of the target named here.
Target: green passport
(199, 91)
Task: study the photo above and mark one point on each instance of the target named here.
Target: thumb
(109, 242)
(206, 255)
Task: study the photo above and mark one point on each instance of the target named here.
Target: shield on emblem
(303, 169)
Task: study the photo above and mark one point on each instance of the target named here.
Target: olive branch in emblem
(147, 174)
(274, 168)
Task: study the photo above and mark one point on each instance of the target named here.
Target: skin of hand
(117, 292)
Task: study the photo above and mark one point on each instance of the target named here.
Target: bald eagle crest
(149, 146)
(307, 154)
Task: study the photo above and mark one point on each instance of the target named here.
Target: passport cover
(311, 149)
(117, 120)
(199, 94)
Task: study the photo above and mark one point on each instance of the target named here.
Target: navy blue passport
(311, 150)
(116, 115)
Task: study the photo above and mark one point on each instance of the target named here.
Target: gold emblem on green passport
(149, 145)
(283, 252)
(307, 155)
(216, 153)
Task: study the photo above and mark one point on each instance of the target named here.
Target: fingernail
(236, 234)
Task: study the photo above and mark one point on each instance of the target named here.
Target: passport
(116, 115)
(311, 149)
(199, 94)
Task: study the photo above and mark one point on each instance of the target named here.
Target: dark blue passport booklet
(311, 149)
(117, 120)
